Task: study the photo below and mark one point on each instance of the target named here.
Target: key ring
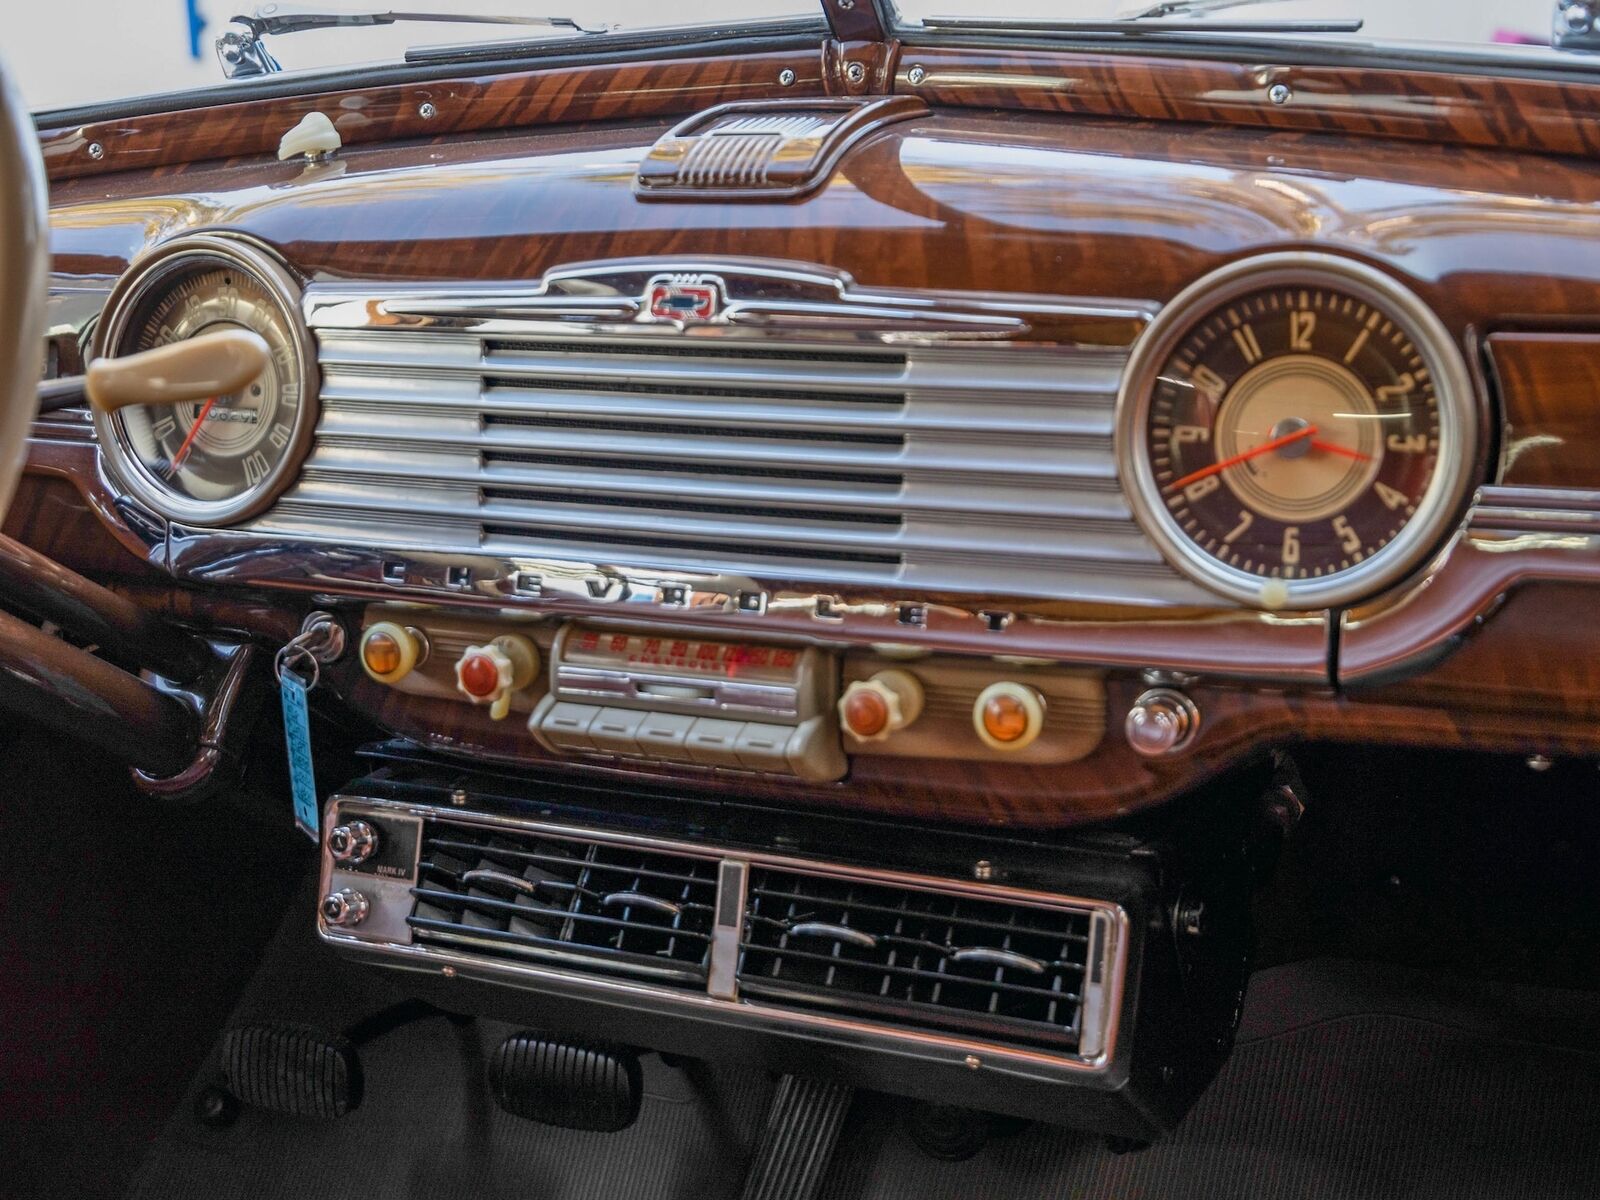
(292, 655)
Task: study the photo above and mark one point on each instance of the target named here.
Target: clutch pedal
(292, 1069)
(569, 1084)
(802, 1127)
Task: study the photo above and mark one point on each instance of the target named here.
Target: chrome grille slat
(916, 459)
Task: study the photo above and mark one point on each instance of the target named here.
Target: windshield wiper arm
(1188, 8)
(1141, 27)
(245, 54)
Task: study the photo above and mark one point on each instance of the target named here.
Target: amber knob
(389, 652)
(490, 674)
(1008, 716)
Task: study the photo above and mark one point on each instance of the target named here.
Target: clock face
(1290, 435)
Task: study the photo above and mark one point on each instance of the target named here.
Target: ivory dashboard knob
(1008, 716)
(1161, 722)
(490, 674)
(390, 652)
(871, 709)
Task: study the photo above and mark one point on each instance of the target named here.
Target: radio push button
(872, 709)
(491, 674)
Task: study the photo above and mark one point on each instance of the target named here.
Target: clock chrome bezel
(1458, 430)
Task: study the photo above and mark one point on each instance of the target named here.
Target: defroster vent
(939, 959)
(518, 894)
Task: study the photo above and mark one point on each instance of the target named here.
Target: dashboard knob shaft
(344, 907)
(491, 674)
(352, 843)
(872, 709)
(1162, 722)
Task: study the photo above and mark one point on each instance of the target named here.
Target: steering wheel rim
(24, 273)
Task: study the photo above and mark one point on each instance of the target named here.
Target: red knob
(479, 675)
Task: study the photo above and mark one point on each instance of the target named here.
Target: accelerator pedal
(802, 1128)
(572, 1085)
(296, 1070)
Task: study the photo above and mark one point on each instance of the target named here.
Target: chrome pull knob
(352, 843)
(1161, 722)
(344, 907)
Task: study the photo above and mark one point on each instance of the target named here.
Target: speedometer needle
(1267, 447)
(183, 450)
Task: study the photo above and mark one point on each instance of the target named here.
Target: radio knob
(390, 652)
(872, 709)
(490, 674)
(344, 907)
(1161, 722)
(352, 843)
(1008, 716)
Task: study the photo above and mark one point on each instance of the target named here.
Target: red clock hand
(183, 450)
(1266, 447)
(1344, 450)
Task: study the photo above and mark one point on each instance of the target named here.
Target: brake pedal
(292, 1069)
(802, 1129)
(569, 1084)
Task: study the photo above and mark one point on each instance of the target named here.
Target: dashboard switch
(390, 652)
(352, 843)
(1008, 716)
(1161, 722)
(872, 709)
(344, 907)
(491, 674)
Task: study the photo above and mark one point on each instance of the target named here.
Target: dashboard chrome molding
(1459, 423)
(1101, 1006)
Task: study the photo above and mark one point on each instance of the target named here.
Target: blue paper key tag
(297, 733)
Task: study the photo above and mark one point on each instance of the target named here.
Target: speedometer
(1296, 431)
(216, 459)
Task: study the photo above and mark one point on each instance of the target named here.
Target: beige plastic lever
(212, 364)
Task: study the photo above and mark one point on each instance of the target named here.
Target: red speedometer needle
(183, 450)
(1344, 450)
(1178, 485)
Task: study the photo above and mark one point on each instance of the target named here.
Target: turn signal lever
(197, 368)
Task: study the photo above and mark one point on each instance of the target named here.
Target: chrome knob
(344, 907)
(1161, 722)
(352, 843)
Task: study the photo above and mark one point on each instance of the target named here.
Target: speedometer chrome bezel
(1459, 423)
(133, 295)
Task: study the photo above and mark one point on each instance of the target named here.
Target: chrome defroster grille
(561, 900)
(573, 427)
(937, 959)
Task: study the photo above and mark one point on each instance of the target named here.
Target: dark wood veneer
(1549, 385)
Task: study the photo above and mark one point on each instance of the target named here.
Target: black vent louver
(943, 960)
(523, 895)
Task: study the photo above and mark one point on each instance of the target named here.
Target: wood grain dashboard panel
(1549, 385)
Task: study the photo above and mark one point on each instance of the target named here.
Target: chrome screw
(847, 5)
(1279, 93)
(973, 1062)
(427, 111)
(916, 75)
(458, 797)
(786, 78)
(96, 151)
(983, 870)
(855, 72)
(1540, 762)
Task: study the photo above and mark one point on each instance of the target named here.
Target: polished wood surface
(470, 104)
(1549, 385)
(1101, 176)
(1440, 107)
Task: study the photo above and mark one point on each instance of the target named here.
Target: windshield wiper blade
(245, 54)
(1188, 8)
(1141, 27)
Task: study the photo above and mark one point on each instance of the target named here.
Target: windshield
(88, 51)
(1482, 22)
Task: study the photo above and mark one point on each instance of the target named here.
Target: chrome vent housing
(511, 894)
(736, 421)
(934, 959)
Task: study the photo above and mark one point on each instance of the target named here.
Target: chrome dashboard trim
(1100, 1011)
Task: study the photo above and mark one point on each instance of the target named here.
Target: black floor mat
(1351, 1081)
(127, 932)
